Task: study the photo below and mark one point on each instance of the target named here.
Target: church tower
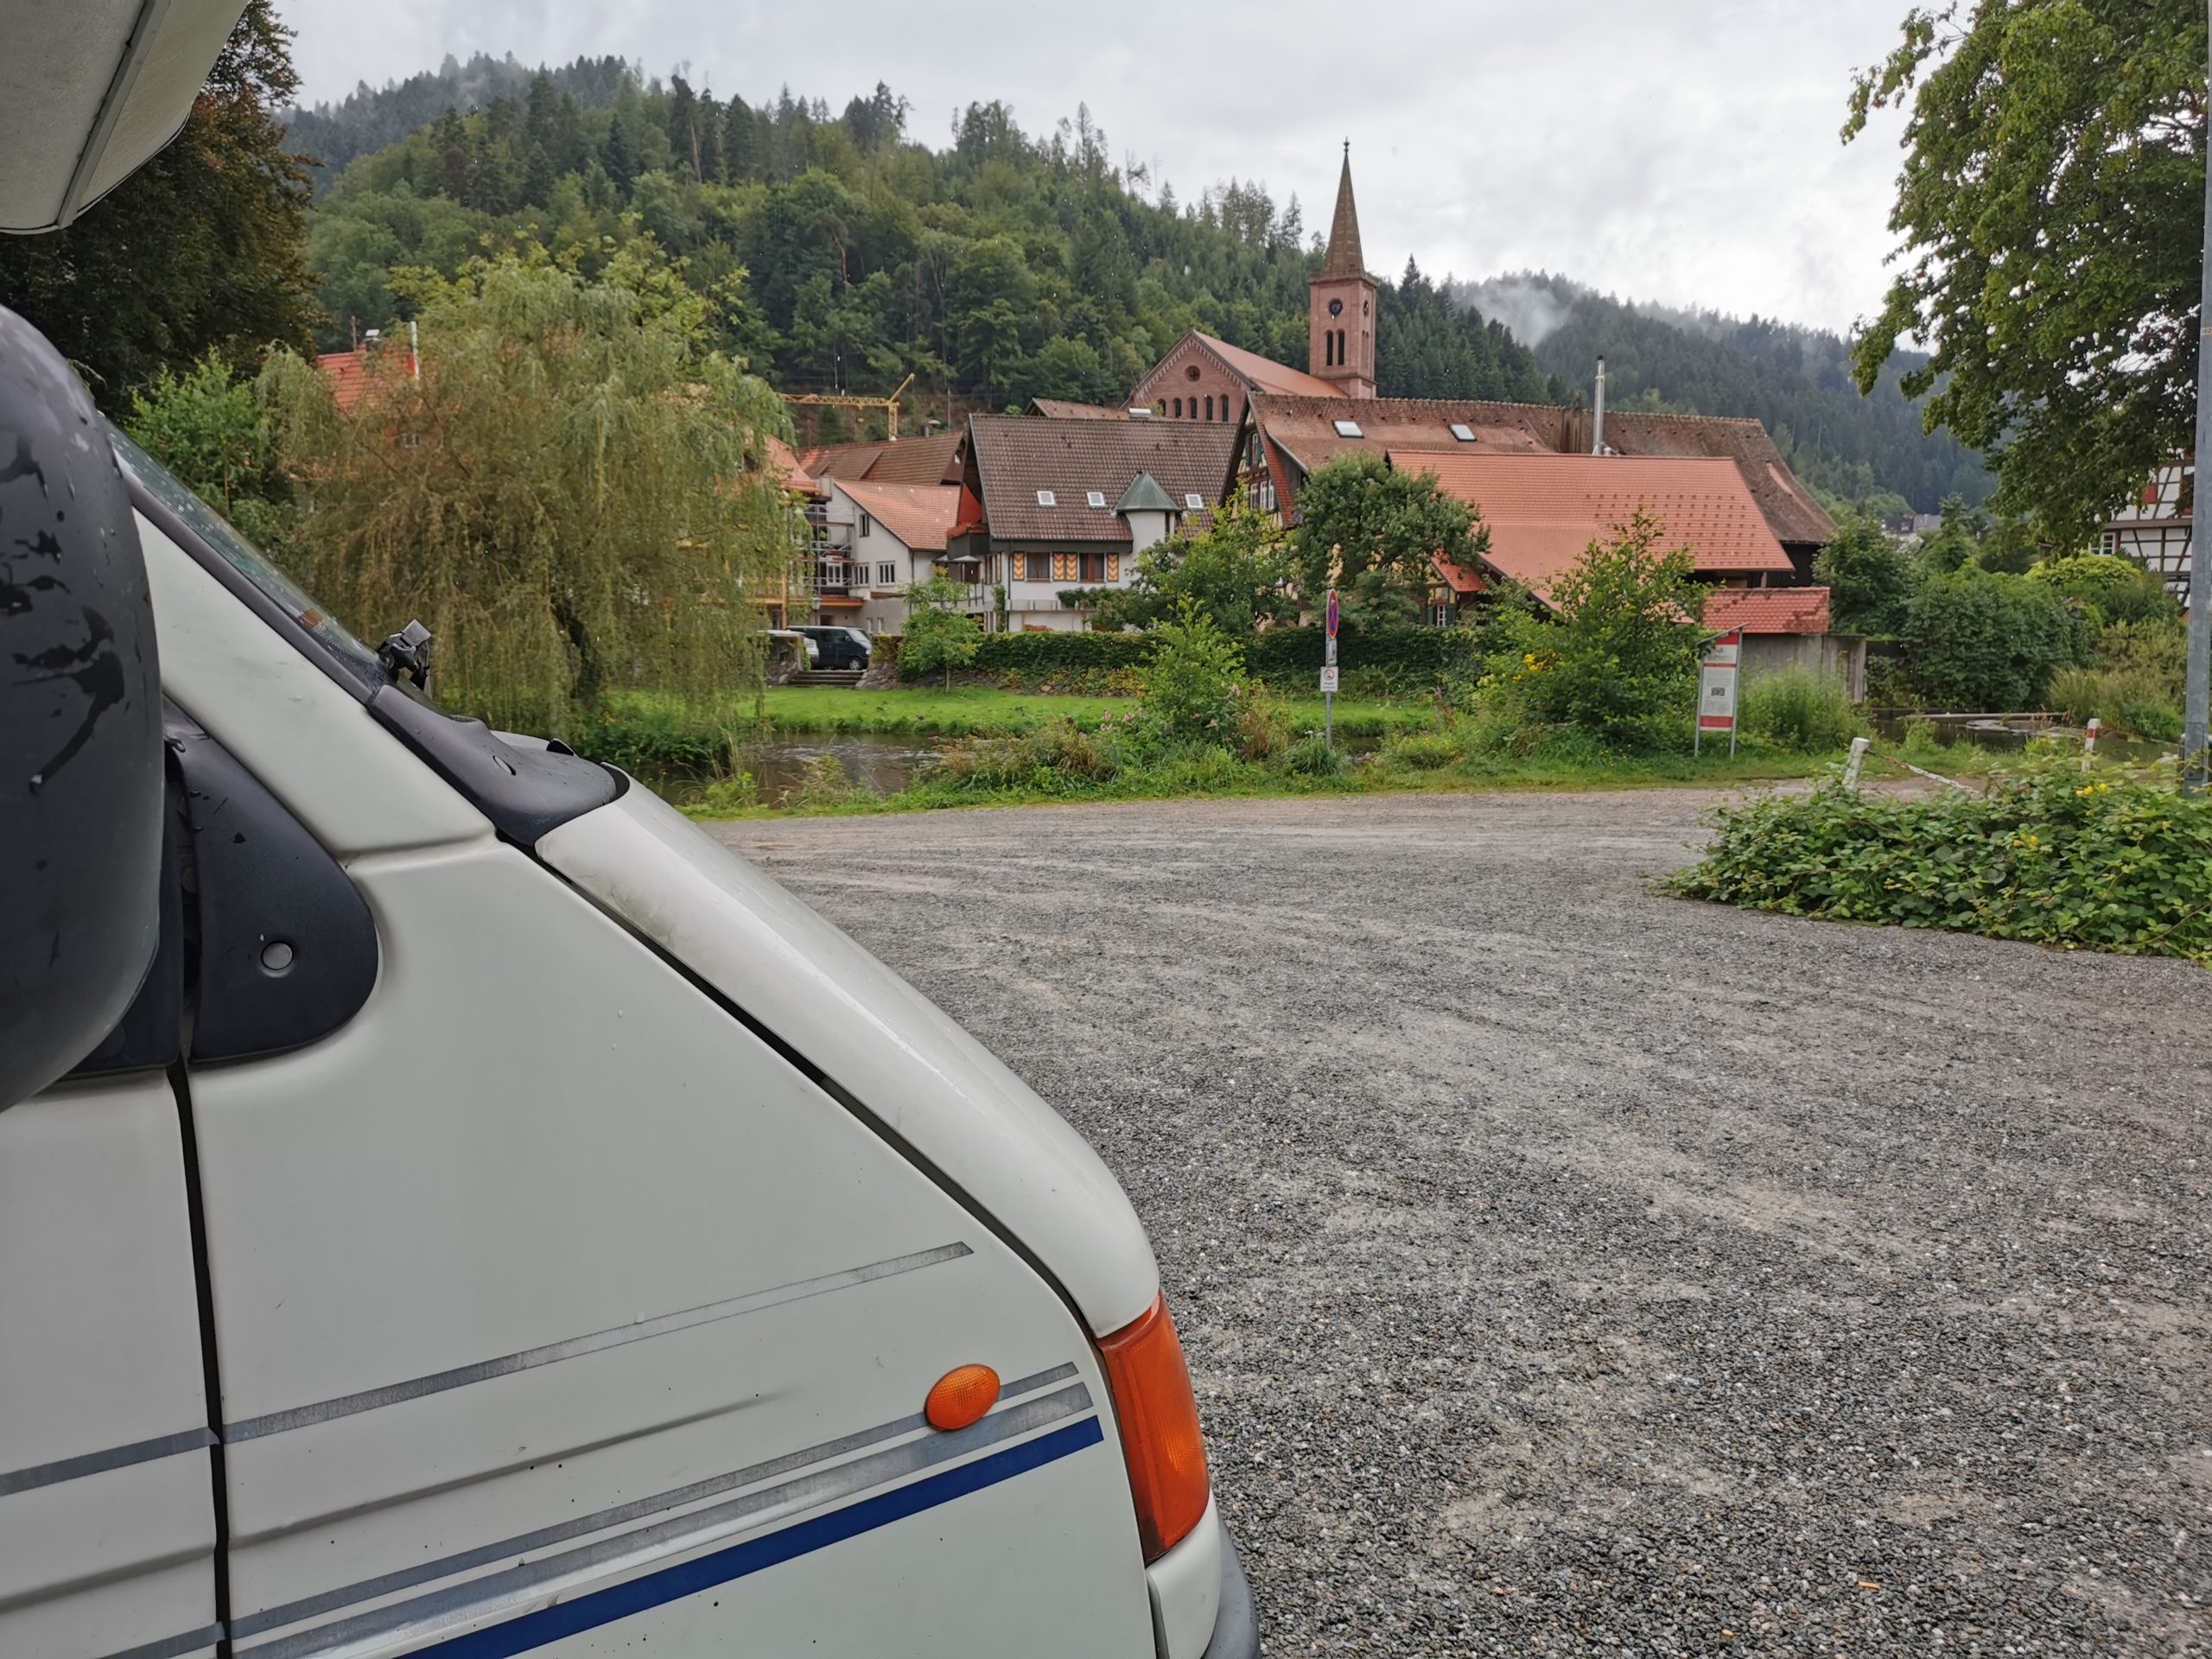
(1340, 305)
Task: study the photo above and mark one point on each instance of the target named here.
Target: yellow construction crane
(841, 400)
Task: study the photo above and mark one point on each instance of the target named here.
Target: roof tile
(1014, 457)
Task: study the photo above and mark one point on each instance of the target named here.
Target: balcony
(835, 576)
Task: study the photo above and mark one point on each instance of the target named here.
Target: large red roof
(917, 514)
(1543, 511)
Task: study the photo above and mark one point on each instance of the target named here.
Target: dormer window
(1094, 499)
(1046, 498)
(1348, 430)
(1462, 431)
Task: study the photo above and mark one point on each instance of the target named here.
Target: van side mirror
(80, 725)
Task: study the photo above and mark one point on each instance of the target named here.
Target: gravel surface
(1565, 1268)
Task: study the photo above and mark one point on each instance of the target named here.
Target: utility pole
(2194, 755)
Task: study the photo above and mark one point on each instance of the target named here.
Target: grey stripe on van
(172, 1647)
(516, 1584)
(98, 1463)
(426, 1572)
(277, 1423)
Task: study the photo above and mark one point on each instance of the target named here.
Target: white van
(505, 1222)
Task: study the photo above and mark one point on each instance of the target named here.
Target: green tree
(1870, 578)
(2110, 588)
(1193, 681)
(570, 497)
(2051, 204)
(1977, 639)
(207, 427)
(1234, 571)
(1621, 660)
(202, 249)
(939, 632)
(1369, 530)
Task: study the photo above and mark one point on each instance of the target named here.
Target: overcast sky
(1677, 150)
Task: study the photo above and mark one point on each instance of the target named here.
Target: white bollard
(1851, 766)
(2089, 742)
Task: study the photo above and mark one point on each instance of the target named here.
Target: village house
(2154, 529)
(1051, 507)
(877, 539)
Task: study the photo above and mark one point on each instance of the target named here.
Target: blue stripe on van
(672, 1583)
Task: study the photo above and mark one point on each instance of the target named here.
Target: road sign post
(1329, 675)
(1716, 690)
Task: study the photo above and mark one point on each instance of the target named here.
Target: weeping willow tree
(570, 495)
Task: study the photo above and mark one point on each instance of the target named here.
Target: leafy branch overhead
(2051, 207)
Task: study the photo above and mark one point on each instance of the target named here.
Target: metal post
(2089, 743)
(2194, 757)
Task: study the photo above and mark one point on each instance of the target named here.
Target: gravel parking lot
(1565, 1268)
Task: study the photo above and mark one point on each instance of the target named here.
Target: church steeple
(1342, 258)
(1340, 309)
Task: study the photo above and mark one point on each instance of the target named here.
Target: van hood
(907, 1063)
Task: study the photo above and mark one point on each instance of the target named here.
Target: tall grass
(1801, 710)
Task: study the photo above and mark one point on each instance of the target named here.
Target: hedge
(1274, 653)
(1430, 654)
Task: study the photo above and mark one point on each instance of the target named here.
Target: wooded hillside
(836, 251)
(1796, 380)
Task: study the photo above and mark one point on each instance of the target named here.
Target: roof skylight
(1194, 502)
(1095, 498)
(1046, 498)
(1462, 431)
(1349, 429)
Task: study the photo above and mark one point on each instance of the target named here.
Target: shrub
(939, 635)
(1621, 660)
(824, 782)
(1423, 751)
(2129, 700)
(1192, 684)
(731, 794)
(2115, 589)
(1202, 768)
(1869, 577)
(1800, 708)
(1310, 757)
(1262, 722)
(2051, 854)
(1975, 640)
(1409, 657)
(652, 734)
(1055, 758)
(1034, 655)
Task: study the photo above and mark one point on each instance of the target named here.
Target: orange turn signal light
(961, 1396)
(1160, 1441)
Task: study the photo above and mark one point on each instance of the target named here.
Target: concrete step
(826, 676)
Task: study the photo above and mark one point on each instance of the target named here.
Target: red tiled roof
(1264, 374)
(917, 514)
(1304, 428)
(932, 459)
(1013, 457)
(1789, 509)
(1060, 409)
(1457, 577)
(1769, 610)
(784, 465)
(1543, 511)
(353, 374)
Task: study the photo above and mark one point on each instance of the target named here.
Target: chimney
(1598, 427)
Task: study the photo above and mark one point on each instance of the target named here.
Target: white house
(880, 537)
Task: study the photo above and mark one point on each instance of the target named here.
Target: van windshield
(350, 654)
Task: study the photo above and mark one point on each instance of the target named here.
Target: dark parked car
(839, 647)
